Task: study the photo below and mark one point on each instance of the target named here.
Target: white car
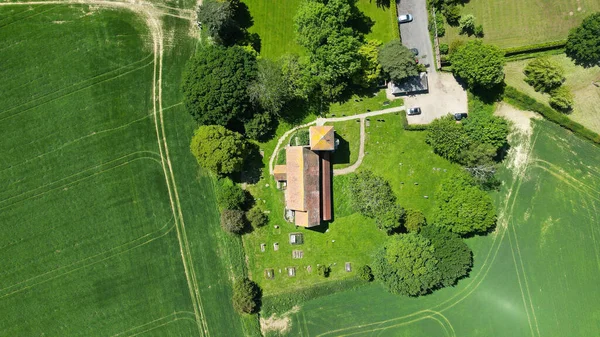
(405, 18)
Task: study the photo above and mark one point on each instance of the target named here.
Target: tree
(414, 220)
(484, 127)
(296, 73)
(364, 273)
(478, 31)
(231, 196)
(261, 127)
(452, 14)
(480, 65)
(218, 150)
(397, 61)
(544, 74)
(217, 17)
(407, 265)
(370, 194)
(269, 91)
(232, 221)
(561, 99)
(246, 296)
(215, 84)
(467, 24)
(257, 217)
(370, 67)
(583, 43)
(462, 207)
(390, 220)
(447, 138)
(454, 256)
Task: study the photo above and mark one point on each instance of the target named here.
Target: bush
(323, 270)
(364, 273)
(454, 256)
(447, 138)
(535, 47)
(452, 14)
(480, 65)
(439, 22)
(479, 31)
(414, 220)
(443, 49)
(390, 219)
(257, 217)
(370, 195)
(232, 221)
(561, 99)
(544, 74)
(467, 24)
(231, 196)
(246, 296)
(300, 138)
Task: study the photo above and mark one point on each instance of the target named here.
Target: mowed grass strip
(90, 246)
(514, 23)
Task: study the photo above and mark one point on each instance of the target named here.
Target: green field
(513, 23)
(579, 80)
(536, 275)
(274, 23)
(108, 232)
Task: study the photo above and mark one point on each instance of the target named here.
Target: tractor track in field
(152, 15)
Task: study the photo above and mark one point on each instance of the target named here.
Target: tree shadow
(359, 21)
(253, 167)
(490, 95)
(242, 16)
(382, 3)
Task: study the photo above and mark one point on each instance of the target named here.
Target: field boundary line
(176, 313)
(28, 16)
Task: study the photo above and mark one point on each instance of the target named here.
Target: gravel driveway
(415, 34)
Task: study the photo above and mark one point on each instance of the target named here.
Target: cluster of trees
(246, 296)
(237, 209)
(583, 43)
(548, 76)
(467, 26)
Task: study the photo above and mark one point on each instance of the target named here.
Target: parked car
(405, 18)
(414, 111)
(415, 51)
(460, 115)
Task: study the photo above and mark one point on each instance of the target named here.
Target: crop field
(100, 238)
(274, 23)
(579, 80)
(536, 275)
(513, 23)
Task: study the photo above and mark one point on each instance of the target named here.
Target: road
(415, 34)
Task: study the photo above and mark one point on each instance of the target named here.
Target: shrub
(364, 273)
(447, 138)
(454, 256)
(561, 99)
(390, 219)
(414, 220)
(370, 194)
(480, 65)
(467, 24)
(544, 74)
(439, 22)
(231, 196)
(323, 270)
(479, 31)
(232, 221)
(443, 49)
(452, 14)
(257, 217)
(300, 137)
(535, 47)
(246, 296)
(454, 46)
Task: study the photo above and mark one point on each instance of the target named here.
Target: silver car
(405, 18)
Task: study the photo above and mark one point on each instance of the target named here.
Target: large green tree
(390, 220)
(462, 207)
(217, 18)
(246, 296)
(269, 90)
(371, 195)
(232, 221)
(219, 150)
(407, 265)
(583, 44)
(480, 65)
(397, 61)
(544, 74)
(371, 68)
(485, 128)
(447, 138)
(215, 84)
(454, 256)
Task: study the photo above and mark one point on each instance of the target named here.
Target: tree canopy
(462, 207)
(215, 83)
(480, 65)
(397, 61)
(454, 256)
(561, 99)
(414, 220)
(269, 91)
(484, 127)
(231, 196)
(390, 220)
(232, 221)
(583, 44)
(371, 195)
(257, 217)
(219, 150)
(370, 68)
(447, 138)
(217, 17)
(246, 296)
(544, 74)
(407, 265)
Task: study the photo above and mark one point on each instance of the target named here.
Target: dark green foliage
(257, 217)
(480, 65)
(462, 207)
(364, 273)
(219, 150)
(447, 138)
(261, 127)
(232, 221)
(215, 84)
(414, 220)
(231, 196)
(484, 127)
(561, 99)
(467, 24)
(371, 195)
(444, 49)
(543, 74)
(298, 79)
(524, 102)
(397, 61)
(583, 44)
(452, 14)
(269, 91)
(407, 265)
(478, 31)
(323, 270)
(217, 18)
(538, 47)
(439, 22)
(454, 256)
(390, 220)
(246, 296)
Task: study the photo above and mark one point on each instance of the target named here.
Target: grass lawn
(578, 79)
(90, 244)
(536, 275)
(513, 23)
(274, 22)
(361, 104)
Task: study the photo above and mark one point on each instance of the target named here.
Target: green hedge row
(535, 47)
(414, 127)
(524, 102)
(279, 304)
